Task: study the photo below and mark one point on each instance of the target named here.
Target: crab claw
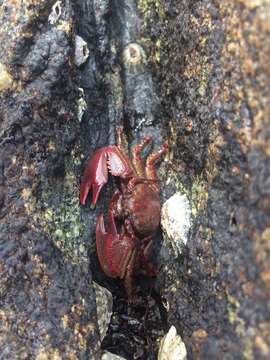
(95, 175)
(114, 251)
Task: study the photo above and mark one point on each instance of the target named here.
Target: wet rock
(203, 86)
(47, 302)
(220, 154)
(104, 302)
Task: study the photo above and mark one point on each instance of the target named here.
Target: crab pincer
(96, 171)
(117, 252)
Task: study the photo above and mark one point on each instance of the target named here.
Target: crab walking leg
(132, 264)
(130, 269)
(122, 145)
(146, 246)
(122, 140)
(137, 180)
(146, 267)
(150, 170)
(114, 207)
(137, 160)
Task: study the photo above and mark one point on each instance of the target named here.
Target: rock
(104, 303)
(81, 51)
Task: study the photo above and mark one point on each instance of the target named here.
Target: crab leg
(122, 140)
(114, 250)
(137, 160)
(138, 180)
(129, 274)
(114, 207)
(146, 267)
(117, 252)
(150, 170)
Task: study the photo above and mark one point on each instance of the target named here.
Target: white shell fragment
(172, 347)
(81, 51)
(81, 104)
(109, 356)
(55, 13)
(176, 221)
(104, 302)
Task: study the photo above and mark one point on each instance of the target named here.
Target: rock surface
(46, 299)
(202, 85)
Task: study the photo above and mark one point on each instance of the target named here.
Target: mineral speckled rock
(214, 91)
(46, 299)
(203, 88)
(104, 304)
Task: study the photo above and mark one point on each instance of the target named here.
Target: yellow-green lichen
(145, 7)
(65, 26)
(63, 222)
(199, 195)
(240, 326)
(157, 53)
(148, 8)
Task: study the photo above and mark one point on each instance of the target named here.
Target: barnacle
(134, 56)
(176, 221)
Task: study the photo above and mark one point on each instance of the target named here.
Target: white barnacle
(134, 56)
(81, 51)
(176, 221)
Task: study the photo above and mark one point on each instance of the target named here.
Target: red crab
(134, 211)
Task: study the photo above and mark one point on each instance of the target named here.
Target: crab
(125, 246)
